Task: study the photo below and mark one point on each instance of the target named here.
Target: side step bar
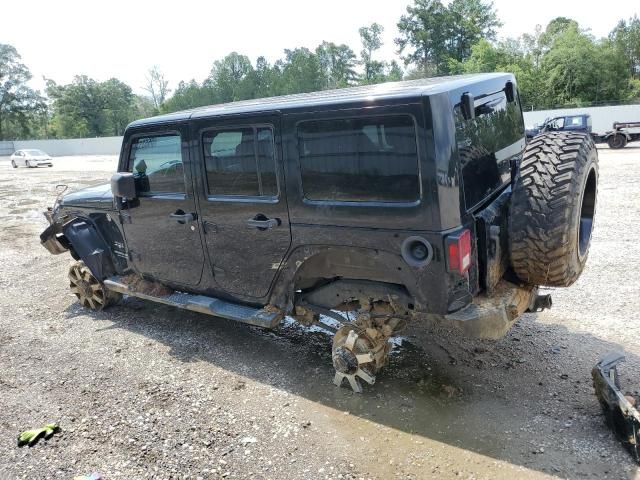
(203, 304)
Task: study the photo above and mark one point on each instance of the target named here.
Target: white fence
(6, 148)
(73, 146)
(602, 118)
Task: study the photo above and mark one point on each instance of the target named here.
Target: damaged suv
(399, 204)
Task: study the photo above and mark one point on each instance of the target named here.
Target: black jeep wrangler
(379, 207)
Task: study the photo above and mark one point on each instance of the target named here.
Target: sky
(123, 39)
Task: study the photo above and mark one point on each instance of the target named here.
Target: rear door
(160, 225)
(242, 201)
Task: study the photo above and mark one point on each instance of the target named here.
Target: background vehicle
(398, 204)
(31, 158)
(566, 123)
(622, 134)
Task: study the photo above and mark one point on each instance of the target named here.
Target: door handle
(263, 223)
(182, 217)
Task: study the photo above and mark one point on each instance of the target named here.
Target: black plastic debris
(619, 409)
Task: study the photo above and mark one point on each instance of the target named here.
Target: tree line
(560, 65)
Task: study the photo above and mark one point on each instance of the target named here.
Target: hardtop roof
(366, 93)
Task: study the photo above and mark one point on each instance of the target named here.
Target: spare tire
(552, 208)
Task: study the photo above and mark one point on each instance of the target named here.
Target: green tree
(556, 28)
(189, 95)
(338, 64)
(434, 37)
(87, 108)
(394, 73)
(143, 107)
(625, 38)
(157, 86)
(231, 78)
(119, 105)
(371, 38)
(471, 21)
(78, 108)
(508, 56)
(424, 33)
(579, 71)
(301, 72)
(263, 78)
(19, 104)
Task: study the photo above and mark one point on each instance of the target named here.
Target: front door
(160, 225)
(243, 203)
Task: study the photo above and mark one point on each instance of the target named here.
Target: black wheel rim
(587, 211)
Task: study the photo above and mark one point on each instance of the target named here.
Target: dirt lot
(144, 391)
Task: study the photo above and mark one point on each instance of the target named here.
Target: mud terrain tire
(552, 209)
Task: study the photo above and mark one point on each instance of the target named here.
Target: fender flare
(89, 245)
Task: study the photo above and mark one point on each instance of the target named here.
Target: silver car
(31, 158)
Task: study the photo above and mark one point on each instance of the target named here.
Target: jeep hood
(98, 196)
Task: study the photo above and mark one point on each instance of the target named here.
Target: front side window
(240, 162)
(371, 159)
(156, 162)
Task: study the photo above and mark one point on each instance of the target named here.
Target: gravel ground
(145, 391)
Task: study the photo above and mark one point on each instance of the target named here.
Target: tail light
(459, 251)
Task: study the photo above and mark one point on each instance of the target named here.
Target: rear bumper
(492, 317)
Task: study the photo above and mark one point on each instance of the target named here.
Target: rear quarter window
(364, 159)
(486, 144)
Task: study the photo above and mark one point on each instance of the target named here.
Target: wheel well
(353, 294)
(89, 246)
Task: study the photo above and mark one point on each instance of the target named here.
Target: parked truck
(622, 134)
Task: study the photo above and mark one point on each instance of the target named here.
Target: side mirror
(510, 91)
(123, 185)
(467, 105)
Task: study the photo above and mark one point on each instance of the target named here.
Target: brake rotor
(357, 354)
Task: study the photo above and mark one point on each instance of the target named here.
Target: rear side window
(486, 144)
(371, 159)
(575, 122)
(156, 162)
(240, 162)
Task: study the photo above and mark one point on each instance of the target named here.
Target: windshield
(35, 152)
